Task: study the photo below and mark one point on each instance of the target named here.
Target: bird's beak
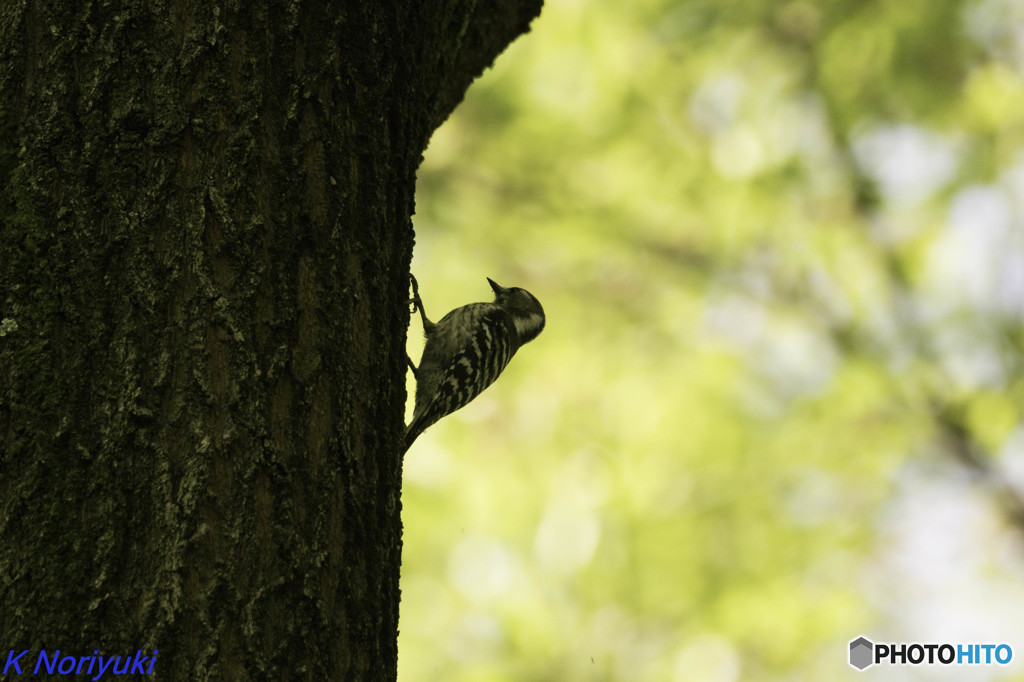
(495, 286)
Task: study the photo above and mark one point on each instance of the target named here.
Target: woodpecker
(467, 350)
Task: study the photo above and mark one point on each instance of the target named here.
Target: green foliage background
(778, 401)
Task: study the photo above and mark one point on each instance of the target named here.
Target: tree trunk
(204, 258)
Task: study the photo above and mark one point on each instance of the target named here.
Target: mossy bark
(204, 255)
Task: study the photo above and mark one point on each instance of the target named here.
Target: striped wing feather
(487, 349)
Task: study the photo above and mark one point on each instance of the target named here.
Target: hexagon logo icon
(861, 650)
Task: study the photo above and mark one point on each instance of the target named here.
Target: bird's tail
(421, 421)
(412, 432)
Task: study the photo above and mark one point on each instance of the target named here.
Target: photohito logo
(864, 653)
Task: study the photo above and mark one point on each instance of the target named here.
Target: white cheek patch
(529, 324)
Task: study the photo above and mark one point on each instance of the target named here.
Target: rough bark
(204, 254)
